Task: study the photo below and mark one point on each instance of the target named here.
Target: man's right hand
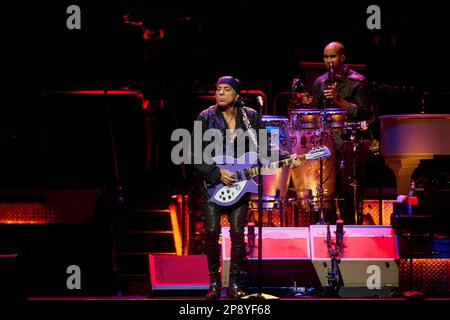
(306, 98)
(226, 177)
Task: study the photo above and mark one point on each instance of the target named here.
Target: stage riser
(299, 257)
(173, 276)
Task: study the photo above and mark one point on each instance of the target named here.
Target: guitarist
(230, 117)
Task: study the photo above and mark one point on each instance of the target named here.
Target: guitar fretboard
(273, 166)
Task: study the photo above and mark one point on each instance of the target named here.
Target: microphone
(328, 102)
(331, 71)
(260, 101)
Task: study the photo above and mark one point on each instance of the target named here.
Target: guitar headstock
(318, 153)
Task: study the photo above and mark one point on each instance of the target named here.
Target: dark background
(261, 43)
(50, 139)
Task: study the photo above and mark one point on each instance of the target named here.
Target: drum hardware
(357, 126)
(320, 191)
(269, 204)
(290, 215)
(311, 208)
(354, 184)
(280, 206)
(338, 211)
(266, 223)
(374, 145)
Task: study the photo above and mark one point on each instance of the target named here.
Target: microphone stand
(355, 148)
(259, 295)
(117, 202)
(326, 105)
(321, 192)
(334, 275)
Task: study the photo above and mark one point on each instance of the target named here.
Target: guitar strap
(250, 130)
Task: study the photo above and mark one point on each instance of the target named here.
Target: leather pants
(237, 217)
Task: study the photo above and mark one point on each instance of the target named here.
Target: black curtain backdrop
(260, 42)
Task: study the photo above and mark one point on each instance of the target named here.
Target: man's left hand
(331, 93)
(295, 162)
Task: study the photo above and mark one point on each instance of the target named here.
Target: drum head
(336, 118)
(278, 182)
(305, 111)
(274, 120)
(305, 118)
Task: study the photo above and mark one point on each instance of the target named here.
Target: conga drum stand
(355, 151)
(320, 191)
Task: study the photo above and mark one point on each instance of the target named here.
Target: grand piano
(408, 138)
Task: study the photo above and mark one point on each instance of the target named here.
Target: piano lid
(415, 134)
(416, 116)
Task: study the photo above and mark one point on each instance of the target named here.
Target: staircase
(145, 232)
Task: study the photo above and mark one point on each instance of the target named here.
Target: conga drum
(336, 119)
(300, 119)
(276, 184)
(306, 134)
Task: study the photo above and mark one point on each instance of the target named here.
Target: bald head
(334, 53)
(336, 47)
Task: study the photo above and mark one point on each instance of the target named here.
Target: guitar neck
(275, 165)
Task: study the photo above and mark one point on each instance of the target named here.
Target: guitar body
(246, 181)
(228, 195)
